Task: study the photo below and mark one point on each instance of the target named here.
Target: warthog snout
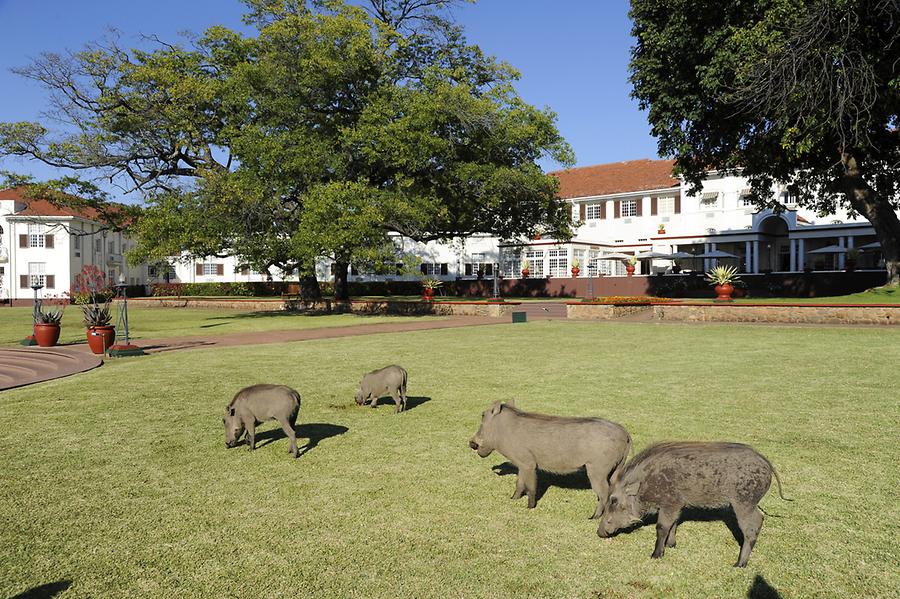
(473, 445)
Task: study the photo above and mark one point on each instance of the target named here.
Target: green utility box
(519, 317)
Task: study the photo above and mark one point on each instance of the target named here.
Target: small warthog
(259, 403)
(557, 444)
(667, 477)
(390, 380)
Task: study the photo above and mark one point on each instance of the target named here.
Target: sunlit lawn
(147, 323)
(117, 483)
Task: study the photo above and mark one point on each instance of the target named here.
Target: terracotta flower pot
(428, 294)
(660, 231)
(630, 269)
(101, 338)
(575, 271)
(524, 273)
(724, 292)
(46, 335)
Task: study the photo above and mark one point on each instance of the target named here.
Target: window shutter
(468, 270)
(639, 207)
(48, 241)
(23, 281)
(422, 268)
(617, 208)
(489, 270)
(50, 281)
(653, 207)
(444, 268)
(220, 269)
(678, 203)
(198, 269)
(603, 210)
(23, 241)
(582, 211)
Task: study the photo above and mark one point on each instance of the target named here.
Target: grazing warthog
(667, 477)
(259, 403)
(390, 380)
(557, 444)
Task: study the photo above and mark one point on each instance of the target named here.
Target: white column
(705, 260)
(801, 254)
(793, 248)
(841, 256)
(756, 256)
(713, 261)
(748, 257)
(850, 243)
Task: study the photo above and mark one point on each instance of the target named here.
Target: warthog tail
(778, 480)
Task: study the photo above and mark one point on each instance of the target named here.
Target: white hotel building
(626, 208)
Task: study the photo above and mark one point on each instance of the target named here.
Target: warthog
(259, 403)
(390, 380)
(667, 477)
(554, 444)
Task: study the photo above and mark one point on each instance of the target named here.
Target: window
(36, 235)
(709, 200)
(629, 208)
(511, 266)
(111, 246)
(745, 201)
(788, 199)
(559, 263)
(477, 267)
(210, 268)
(98, 245)
(665, 205)
(434, 269)
(37, 273)
(592, 211)
(76, 241)
(535, 262)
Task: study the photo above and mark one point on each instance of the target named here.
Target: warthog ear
(496, 407)
(231, 412)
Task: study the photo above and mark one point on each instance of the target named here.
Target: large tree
(802, 93)
(253, 144)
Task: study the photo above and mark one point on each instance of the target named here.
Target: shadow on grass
(575, 480)
(694, 514)
(45, 591)
(292, 314)
(174, 345)
(412, 401)
(760, 589)
(314, 432)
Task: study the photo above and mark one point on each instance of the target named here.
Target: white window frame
(628, 208)
(535, 263)
(665, 205)
(36, 232)
(210, 269)
(592, 211)
(511, 264)
(37, 273)
(432, 269)
(558, 260)
(744, 201)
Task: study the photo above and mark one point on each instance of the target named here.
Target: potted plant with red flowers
(661, 229)
(576, 267)
(93, 291)
(723, 277)
(525, 269)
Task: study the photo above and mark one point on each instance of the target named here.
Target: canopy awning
(615, 256)
(875, 245)
(829, 249)
(714, 254)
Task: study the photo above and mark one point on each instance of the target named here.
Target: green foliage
(432, 283)
(238, 289)
(794, 93)
(96, 315)
(722, 275)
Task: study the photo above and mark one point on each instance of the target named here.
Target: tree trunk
(878, 211)
(309, 287)
(341, 286)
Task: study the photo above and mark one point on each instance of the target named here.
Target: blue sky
(572, 54)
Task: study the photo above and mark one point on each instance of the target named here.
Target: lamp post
(123, 346)
(592, 266)
(35, 311)
(496, 295)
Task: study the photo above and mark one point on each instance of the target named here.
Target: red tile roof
(40, 207)
(616, 177)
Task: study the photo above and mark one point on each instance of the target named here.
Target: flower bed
(628, 300)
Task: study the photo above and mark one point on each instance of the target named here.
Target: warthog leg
(750, 521)
(667, 518)
(599, 484)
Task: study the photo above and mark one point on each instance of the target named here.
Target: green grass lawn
(149, 323)
(117, 481)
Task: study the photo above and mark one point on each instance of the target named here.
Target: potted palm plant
(630, 264)
(576, 267)
(723, 277)
(100, 334)
(47, 323)
(428, 287)
(525, 269)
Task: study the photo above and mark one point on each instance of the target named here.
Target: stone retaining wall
(880, 314)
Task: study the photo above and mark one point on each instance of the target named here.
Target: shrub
(629, 300)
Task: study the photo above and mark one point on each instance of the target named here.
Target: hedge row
(276, 288)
